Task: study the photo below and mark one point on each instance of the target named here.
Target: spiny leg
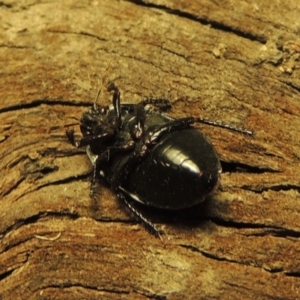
(166, 104)
(152, 137)
(226, 126)
(162, 104)
(89, 139)
(98, 160)
(148, 225)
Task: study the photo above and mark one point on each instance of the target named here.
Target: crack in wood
(236, 167)
(13, 187)
(6, 274)
(277, 188)
(202, 20)
(39, 102)
(6, 5)
(84, 33)
(32, 220)
(241, 262)
(240, 225)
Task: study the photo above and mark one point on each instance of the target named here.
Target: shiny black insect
(149, 157)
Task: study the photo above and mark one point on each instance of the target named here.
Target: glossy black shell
(180, 171)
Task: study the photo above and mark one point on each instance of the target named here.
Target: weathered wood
(233, 62)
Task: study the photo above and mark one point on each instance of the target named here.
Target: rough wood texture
(235, 62)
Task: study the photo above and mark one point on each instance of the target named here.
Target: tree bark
(233, 62)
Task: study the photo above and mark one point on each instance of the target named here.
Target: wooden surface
(232, 61)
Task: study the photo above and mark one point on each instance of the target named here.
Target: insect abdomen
(179, 172)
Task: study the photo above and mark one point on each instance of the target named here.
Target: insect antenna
(102, 84)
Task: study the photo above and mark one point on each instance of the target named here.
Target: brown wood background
(231, 61)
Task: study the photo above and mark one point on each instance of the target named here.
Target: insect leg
(218, 124)
(148, 225)
(138, 130)
(140, 116)
(153, 136)
(89, 139)
(71, 137)
(162, 104)
(98, 160)
(116, 101)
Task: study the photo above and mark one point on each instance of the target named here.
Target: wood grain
(229, 61)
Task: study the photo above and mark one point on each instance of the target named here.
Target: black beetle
(149, 157)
